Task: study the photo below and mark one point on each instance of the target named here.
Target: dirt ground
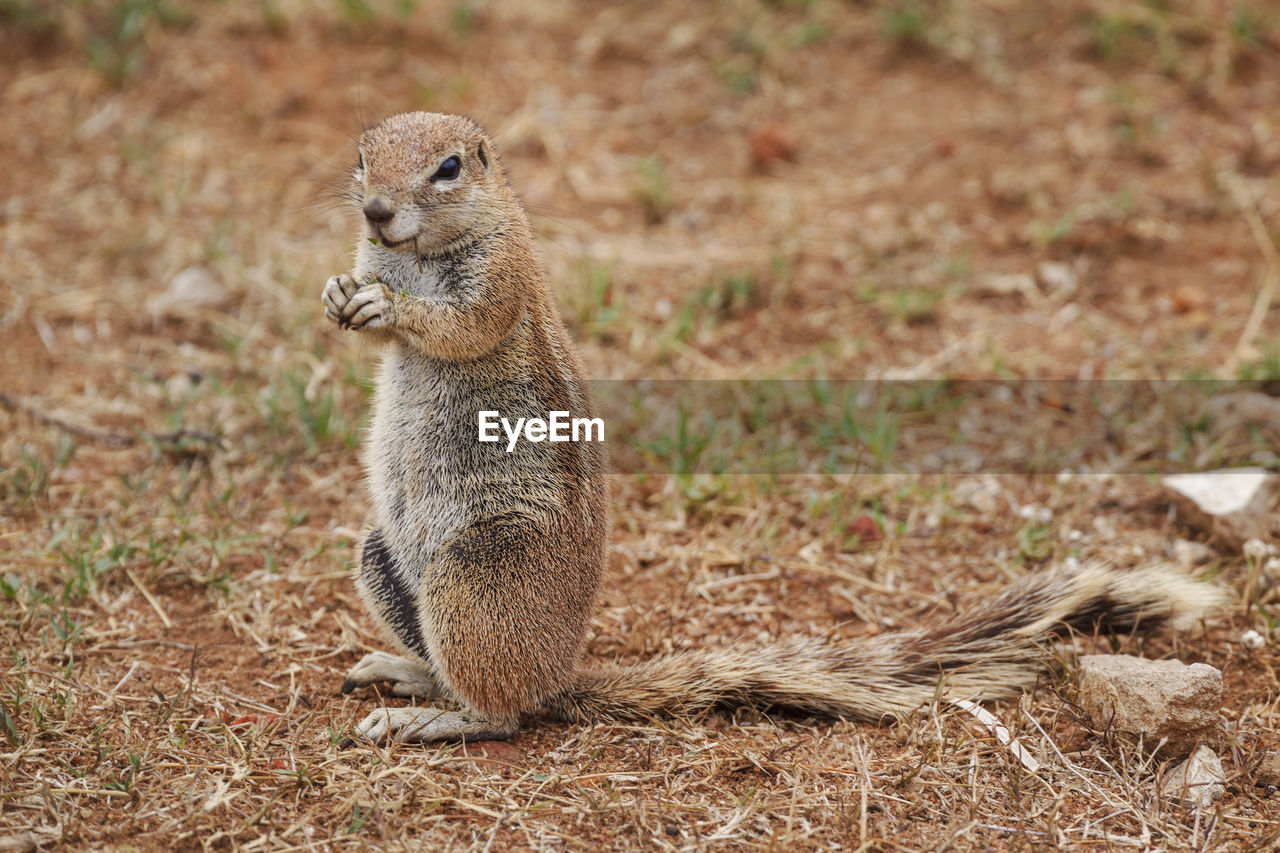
(738, 190)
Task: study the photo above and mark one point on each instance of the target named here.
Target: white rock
(1196, 782)
(1188, 554)
(1057, 278)
(1154, 699)
(983, 494)
(1251, 639)
(1233, 505)
(1257, 550)
(194, 288)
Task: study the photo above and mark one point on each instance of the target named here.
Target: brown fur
(484, 564)
(994, 651)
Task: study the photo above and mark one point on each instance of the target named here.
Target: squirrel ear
(483, 155)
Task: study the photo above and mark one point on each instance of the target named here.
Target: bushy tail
(994, 652)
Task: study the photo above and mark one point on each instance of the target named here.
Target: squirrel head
(428, 182)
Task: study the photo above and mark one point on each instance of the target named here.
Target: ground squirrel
(484, 563)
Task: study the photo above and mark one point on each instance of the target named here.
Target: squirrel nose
(378, 209)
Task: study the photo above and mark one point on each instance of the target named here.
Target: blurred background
(747, 189)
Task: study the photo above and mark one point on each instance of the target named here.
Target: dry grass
(179, 487)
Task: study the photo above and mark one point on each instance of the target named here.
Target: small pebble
(1251, 639)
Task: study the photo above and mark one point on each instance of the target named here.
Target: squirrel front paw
(355, 305)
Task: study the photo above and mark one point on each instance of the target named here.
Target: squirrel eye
(360, 161)
(448, 170)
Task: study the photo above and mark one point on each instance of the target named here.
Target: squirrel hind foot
(408, 678)
(426, 725)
